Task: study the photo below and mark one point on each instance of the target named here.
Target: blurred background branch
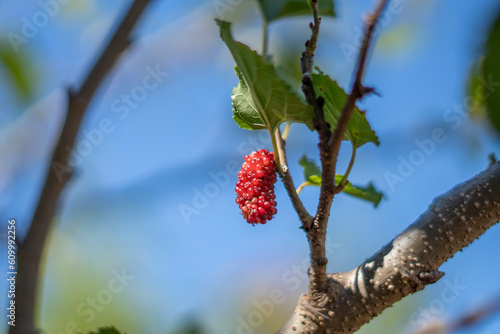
(472, 318)
(59, 172)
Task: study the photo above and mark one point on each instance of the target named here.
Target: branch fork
(408, 263)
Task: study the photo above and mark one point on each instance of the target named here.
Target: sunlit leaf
(358, 130)
(262, 100)
(367, 193)
(312, 172)
(312, 175)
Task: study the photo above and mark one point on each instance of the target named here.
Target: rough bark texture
(406, 264)
(329, 143)
(30, 251)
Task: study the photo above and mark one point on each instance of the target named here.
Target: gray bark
(405, 265)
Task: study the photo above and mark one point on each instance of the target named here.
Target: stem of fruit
(284, 173)
(286, 131)
(276, 150)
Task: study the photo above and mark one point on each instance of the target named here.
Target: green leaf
(276, 9)
(476, 91)
(312, 174)
(246, 114)
(368, 193)
(242, 123)
(358, 130)
(491, 76)
(262, 100)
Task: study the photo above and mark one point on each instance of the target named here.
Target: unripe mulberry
(255, 187)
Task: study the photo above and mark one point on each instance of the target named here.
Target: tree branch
(405, 265)
(30, 252)
(316, 229)
(284, 173)
(329, 144)
(358, 90)
(306, 64)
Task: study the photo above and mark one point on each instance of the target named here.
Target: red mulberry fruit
(255, 187)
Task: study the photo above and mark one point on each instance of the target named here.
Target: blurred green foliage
(107, 330)
(491, 75)
(16, 66)
(484, 80)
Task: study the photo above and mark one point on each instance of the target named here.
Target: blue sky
(176, 146)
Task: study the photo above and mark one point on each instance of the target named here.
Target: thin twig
(311, 43)
(358, 90)
(59, 173)
(344, 179)
(306, 64)
(302, 186)
(284, 173)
